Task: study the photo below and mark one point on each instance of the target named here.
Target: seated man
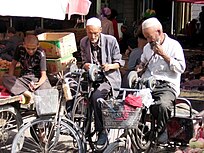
(33, 69)
(166, 63)
(102, 50)
(134, 58)
(8, 48)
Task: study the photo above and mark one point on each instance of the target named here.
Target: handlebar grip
(126, 89)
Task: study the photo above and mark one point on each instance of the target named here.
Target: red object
(4, 93)
(135, 101)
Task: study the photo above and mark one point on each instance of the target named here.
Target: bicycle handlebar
(126, 89)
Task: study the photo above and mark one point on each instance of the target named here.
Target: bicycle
(82, 111)
(10, 121)
(144, 137)
(115, 116)
(52, 132)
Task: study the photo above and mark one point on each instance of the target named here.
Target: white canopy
(53, 9)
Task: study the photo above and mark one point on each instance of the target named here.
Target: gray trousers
(19, 85)
(101, 92)
(164, 97)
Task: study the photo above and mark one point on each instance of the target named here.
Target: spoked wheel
(81, 113)
(42, 135)
(144, 132)
(92, 136)
(118, 147)
(10, 122)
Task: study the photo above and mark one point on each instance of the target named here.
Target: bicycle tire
(50, 139)
(10, 122)
(117, 147)
(145, 131)
(81, 113)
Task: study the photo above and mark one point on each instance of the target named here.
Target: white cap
(94, 22)
(151, 22)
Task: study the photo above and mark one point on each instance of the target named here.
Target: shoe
(102, 138)
(163, 137)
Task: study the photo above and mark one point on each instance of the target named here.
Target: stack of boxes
(59, 48)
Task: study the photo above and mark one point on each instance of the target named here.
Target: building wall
(125, 10)
(196, 9)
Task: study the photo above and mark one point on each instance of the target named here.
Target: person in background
(166, 64)
(8, 48)
(102, 50)
(201, 19)
(107, 25)
(33, 69)
(123, 42)
(113, 16)
(134, 58)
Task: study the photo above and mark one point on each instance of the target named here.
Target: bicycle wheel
(117, 147)
(144, 132)
(43, 135)
(81, 113)
(92, 137)
(10, 122)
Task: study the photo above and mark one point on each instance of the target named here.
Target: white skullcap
(94, 22)
(151, 22)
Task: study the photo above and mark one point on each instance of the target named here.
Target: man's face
(93, 33)
(30, 48)
(152, 35)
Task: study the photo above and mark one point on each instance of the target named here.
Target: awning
(53, 9)
(191, 1)
(187, 1)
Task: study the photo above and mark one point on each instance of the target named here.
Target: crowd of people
(103, 47)
(166, 64)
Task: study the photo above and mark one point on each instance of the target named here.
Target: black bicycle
(82, 110)
(52, 131)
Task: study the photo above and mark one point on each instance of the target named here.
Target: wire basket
(117, 115)
(46, 101)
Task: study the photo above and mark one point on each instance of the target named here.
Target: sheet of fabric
(80, 7)
(53, 9)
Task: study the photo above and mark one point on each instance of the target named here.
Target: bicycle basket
(46, 101)
(120, 116)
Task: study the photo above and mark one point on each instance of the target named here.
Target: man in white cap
(102, 50)
(166, 64)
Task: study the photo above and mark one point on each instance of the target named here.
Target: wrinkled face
(31, 48)
(93, 33)
(152, 34)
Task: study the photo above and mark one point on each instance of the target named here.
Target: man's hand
(86, 66)
(139, 67)
(33, 86)
(106, 67)
(158, 49)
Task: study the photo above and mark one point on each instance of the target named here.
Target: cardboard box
(57, 65)
(57, 44)
(79, 33)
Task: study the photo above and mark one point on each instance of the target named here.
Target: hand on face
(158, 49)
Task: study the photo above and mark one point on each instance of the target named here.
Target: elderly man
(102, 50)
(166, 62)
